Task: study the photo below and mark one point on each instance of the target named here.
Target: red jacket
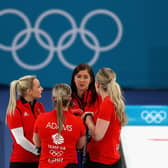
(24, 117)
(80, 106)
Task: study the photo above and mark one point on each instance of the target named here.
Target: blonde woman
(21, 116)
(59, 132)
(106, 127)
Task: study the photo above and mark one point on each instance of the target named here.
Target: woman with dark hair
(84, 95)
(84, 98)
(59, 132)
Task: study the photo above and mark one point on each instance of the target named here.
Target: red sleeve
(106, 110)
(15, 120)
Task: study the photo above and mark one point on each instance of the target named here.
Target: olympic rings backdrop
(147, 115)
(49, 38)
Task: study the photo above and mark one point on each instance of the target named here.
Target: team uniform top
(58, 150)
(106, 151)
(24, 116)
(81, 105)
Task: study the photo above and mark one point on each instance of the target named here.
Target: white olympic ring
(54, 153)
(27, 23)
(60, 47)
(38, 66)
(153, 116)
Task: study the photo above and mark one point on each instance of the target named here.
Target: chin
(83, 89)
(39, 96)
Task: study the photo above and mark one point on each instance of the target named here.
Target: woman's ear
(29, 92)
(98, 85)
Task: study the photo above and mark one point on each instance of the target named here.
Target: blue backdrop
(48, 38)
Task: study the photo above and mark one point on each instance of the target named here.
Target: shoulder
(107, 102)
(18, 110)
(39, 104)
(19, 104)
(46, 114)
(70, 114)
(73, 117)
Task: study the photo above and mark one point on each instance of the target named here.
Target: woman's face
(82, 80)
(36, 90)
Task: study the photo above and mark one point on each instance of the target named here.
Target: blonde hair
(19, 86)
(61, 94)
(106, 77)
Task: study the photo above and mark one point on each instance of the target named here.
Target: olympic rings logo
(60, 47)
(54, 153)
(153, 116)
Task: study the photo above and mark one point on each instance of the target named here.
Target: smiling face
(82, 80)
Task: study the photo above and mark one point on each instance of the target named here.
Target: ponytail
(61, 94)
(60, 114)
(12, 98)
(118, 100)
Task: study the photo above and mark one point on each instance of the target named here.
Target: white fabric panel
(22, 141)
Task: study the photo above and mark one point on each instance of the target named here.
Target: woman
(84, 96)
(59, 132)
(106, 127)
(21, 116)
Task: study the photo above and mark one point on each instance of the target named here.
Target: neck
(103, 94)
(29, 99)
(80, 93)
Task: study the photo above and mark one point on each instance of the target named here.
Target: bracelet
(84, 119)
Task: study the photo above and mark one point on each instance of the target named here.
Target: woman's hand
(85, 114)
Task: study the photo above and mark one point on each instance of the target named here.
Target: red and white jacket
(24, 117)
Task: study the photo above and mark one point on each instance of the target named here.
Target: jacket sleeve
(23, 142)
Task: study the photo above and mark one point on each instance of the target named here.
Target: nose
(82, 79)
